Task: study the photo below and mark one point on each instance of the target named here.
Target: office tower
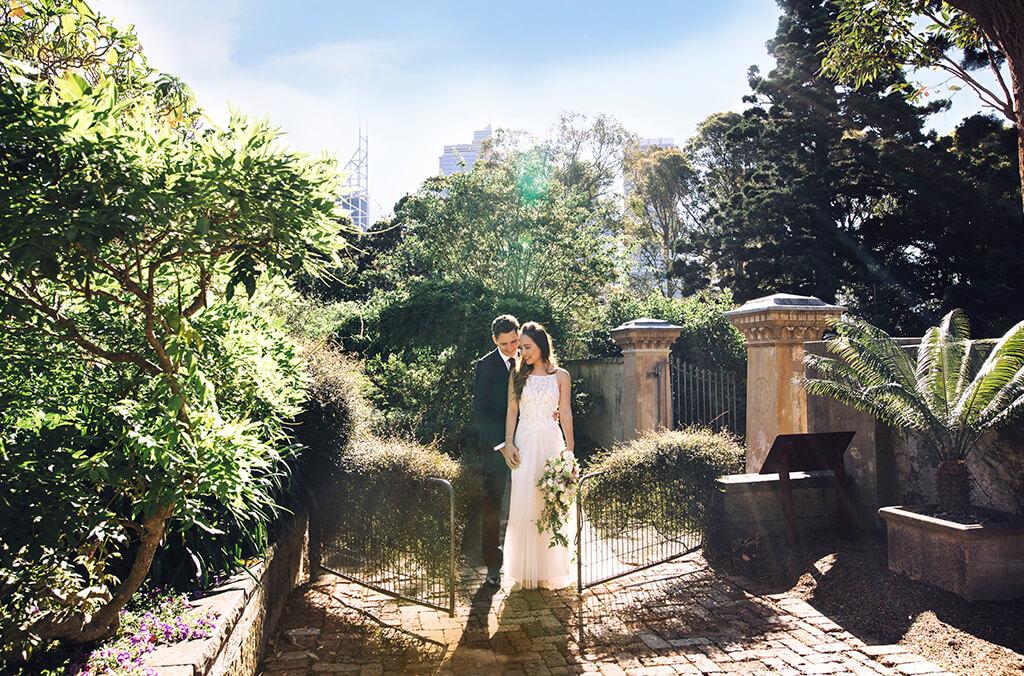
(461, 156)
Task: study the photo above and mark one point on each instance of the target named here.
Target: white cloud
(319, 94)
(343, 59)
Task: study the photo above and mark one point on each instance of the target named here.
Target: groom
(490, 404)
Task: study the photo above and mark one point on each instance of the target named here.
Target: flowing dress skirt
(530, 560)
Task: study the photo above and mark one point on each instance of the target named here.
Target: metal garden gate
(363, 549)
(706, 397)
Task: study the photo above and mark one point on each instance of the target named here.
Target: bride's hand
(511, 455)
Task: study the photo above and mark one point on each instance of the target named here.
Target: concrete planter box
(974, 561)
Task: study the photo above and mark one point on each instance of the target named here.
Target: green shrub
(335, 414)
(421, 345)
(664, 480)
(707, 340)
(373, 503)
(78, 452)
(388, 514)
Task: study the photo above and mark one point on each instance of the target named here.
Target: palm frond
(872, 352)
(887, 401)
(970, 364)
(1011, 412)
(1006, 397)
(929, 382)
(847, 394)
(956, 331)
(939, 358)
(996, 373)
(945, 394)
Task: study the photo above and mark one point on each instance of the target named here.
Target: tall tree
(664, 208)
(589, 153)
(820, 189)
(121, 232)
(872, 40)
(804, 143)
(512, 225)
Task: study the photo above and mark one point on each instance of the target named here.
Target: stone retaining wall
(248, 607)
(748, 505)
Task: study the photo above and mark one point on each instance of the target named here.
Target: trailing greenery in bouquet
(558, 486)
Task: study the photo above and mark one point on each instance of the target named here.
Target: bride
(537, 389)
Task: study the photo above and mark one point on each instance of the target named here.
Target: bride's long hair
(539, 335)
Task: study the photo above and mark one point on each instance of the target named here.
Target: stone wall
(603, 379)
(247, 607)
(891, 468)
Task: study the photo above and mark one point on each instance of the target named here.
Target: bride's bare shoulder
(563, 375)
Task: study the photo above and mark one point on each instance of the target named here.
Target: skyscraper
(357, 198)
(461, 156)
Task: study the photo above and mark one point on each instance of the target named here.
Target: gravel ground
(849, 583)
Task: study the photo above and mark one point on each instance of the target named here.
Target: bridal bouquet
(558, 487)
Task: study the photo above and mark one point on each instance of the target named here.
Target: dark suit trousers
(496, 477)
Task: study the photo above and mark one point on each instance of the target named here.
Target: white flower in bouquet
(557, 486)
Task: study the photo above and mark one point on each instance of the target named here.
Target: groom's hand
(557, 417)
(511, 455)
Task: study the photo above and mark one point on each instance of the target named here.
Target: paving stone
(677, 618)
(875, 650)
(898, 658)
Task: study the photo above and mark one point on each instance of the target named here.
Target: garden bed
(850, 583)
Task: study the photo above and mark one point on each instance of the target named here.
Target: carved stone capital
(783, 318)
(646, 335)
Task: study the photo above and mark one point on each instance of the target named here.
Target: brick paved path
(676, 618)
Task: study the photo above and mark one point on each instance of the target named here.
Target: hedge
(371, 504)
(664, 480)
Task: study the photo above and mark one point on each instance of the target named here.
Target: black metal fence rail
(409, 571)
(707, 397)
(619, 535)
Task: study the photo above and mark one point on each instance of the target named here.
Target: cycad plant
(950, 396)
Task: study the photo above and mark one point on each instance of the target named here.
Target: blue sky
(423, 74)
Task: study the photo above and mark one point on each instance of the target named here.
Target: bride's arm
(509, 450)
(565, 409)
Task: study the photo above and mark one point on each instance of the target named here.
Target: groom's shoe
(493, 579)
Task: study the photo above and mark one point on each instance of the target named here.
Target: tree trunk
(1016, 63)
(953, 485)
(1003, 23)
(82, 628)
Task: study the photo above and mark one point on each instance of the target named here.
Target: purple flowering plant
(153, 618)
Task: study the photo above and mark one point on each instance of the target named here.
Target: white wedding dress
(529, 560)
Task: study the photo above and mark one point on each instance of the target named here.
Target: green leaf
(72, 87)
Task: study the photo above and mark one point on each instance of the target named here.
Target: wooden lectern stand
(807, 453)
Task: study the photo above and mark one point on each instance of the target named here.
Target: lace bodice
(539, 401)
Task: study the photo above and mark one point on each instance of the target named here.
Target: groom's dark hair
(504, 324)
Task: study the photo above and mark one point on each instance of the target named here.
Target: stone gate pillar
(646, 395)
(775, 328)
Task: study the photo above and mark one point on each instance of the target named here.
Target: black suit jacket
(490, 401)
